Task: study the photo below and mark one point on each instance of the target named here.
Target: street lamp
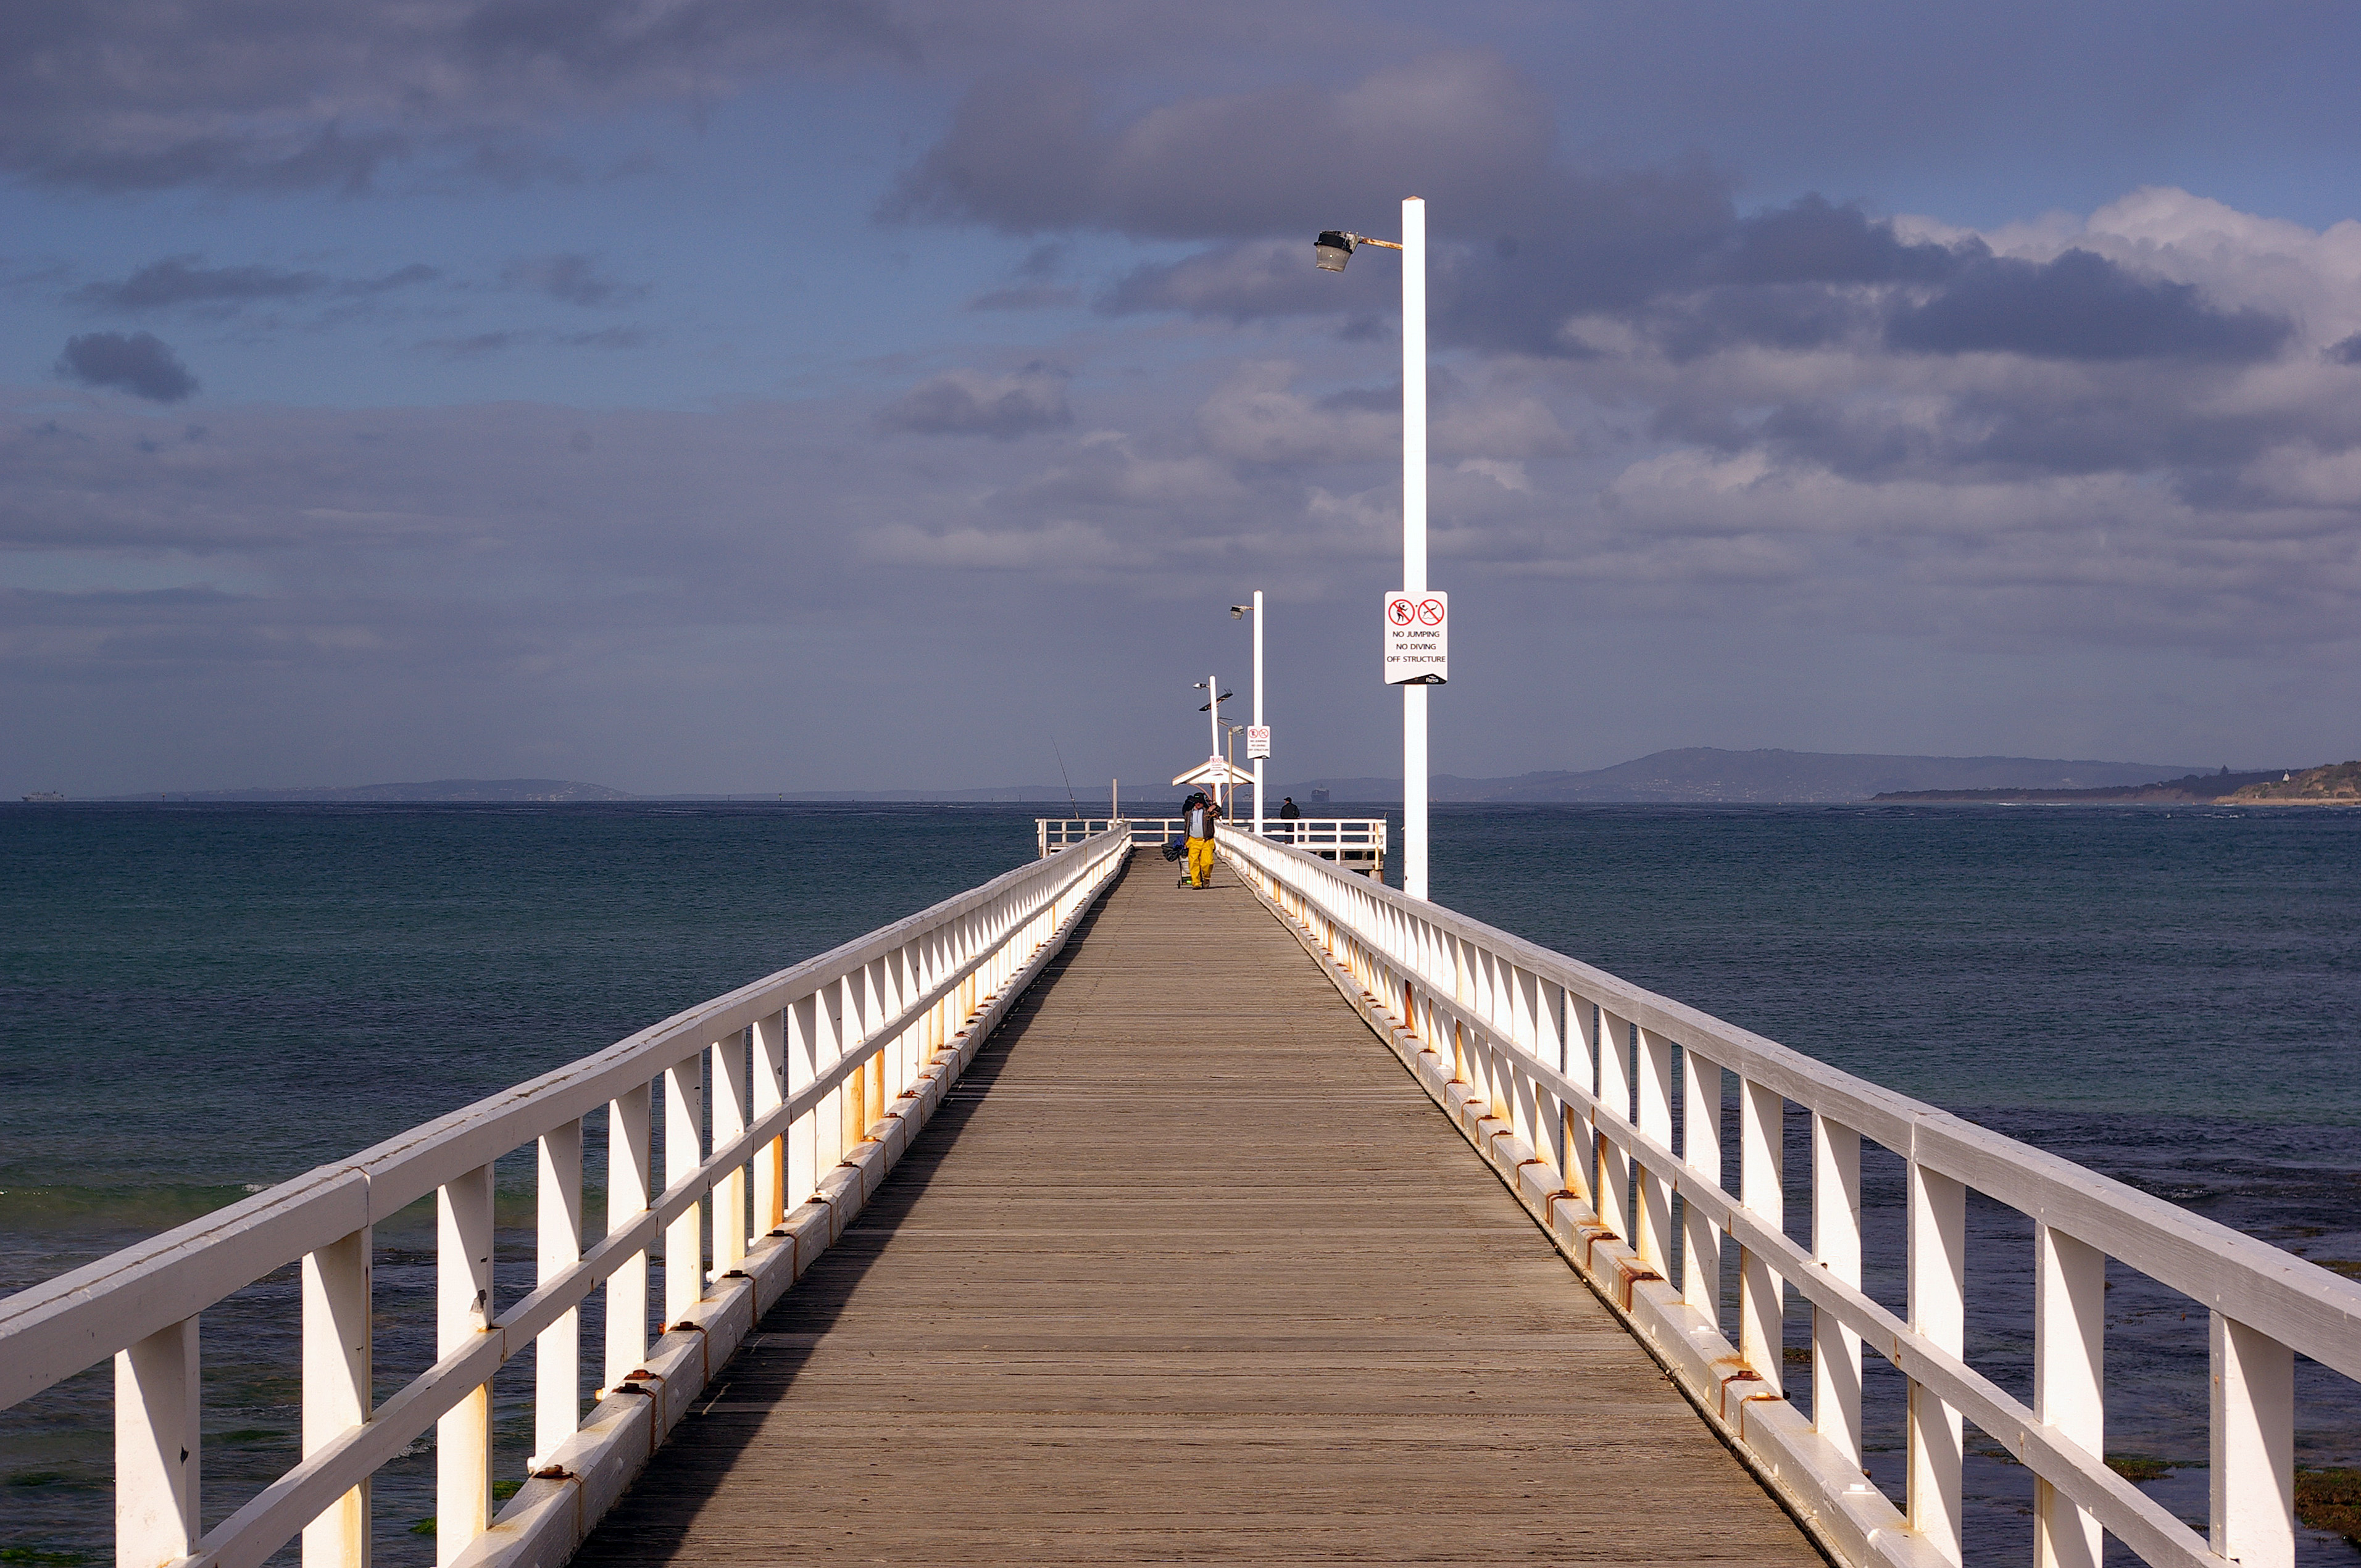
(1238, 611)
(1330, 252)
(1215, 697)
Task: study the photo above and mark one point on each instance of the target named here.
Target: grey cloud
(183, 280)
(265, 161)
(1871, 417)
(1035, 156)
(606, 337)
(1785, 315)
(311, 95)
(1240, 283)
(608, 41)
(2081, 306)
(495, 557)
(1028, 296)
(475, 345)
(1577, 242)
(573, 278)
(969, 403)
(1036, 285)
(482, 344)
(1525, 240)
(1813, 240)
(140, 363)
(2345, 350)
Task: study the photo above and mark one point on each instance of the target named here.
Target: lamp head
(1332, 250)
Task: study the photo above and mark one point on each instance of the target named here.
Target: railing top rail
(118, 1299)
(2296, 1301)
(1050, 827)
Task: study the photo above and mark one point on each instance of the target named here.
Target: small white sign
(1418, 638)
(1257, 741)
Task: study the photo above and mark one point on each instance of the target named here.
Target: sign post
(1417, 637)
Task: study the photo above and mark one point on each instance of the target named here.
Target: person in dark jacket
(1288, 810)
(1201, 813)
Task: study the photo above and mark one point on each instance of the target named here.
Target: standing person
(1288, 810)
(1201, 813)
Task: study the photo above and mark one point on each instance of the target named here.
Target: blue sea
(197, 1002)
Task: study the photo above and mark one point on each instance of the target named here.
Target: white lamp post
(1328, 253)
(1236, 610)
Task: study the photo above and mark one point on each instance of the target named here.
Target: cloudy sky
(696, 395)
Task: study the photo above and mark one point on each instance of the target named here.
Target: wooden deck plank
(1189, 1270)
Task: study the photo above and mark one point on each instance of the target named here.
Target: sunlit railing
(1573, 1083)
(1357, 842)
(813, 1081)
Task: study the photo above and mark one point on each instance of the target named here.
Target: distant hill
(446, 790)
(2338, 783)
(1708, 773)
(2194, 788)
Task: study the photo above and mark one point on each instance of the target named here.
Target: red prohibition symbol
(1399, 612)
(1429, 612)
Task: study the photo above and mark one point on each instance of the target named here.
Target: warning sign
(1257, 741)
(1418, 638)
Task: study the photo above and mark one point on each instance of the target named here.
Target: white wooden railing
(1054, 835)
(1363, 838)
(1570, 1082)
(814, 1079)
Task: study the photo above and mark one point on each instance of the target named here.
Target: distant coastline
(2190, 789)
(2337, 784)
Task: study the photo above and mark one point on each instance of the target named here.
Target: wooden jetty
(1187, 1269)
(1082, 1219)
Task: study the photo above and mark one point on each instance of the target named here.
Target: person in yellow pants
(1201, 813)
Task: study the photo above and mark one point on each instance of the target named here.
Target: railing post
(844, 999)
(872, 1072)
(1523, 1001)
(2252, 1446)
(157, 1451)
(731, 1102)
(1581, 1170)
(631, 1178)
(558, 1350)
(1939, 1232)
(769, 1093)
(1614, 1200)
(1655, 1246)
(462, 1296)
(1836, 1247)
(1701, 1152)
(1549, 1046)
(683, 1246)
(804, 1133)
(336, 1388)
(2069, 1314)
(1762, 1189)
(909, 1049)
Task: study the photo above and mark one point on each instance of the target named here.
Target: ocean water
(196, 1001)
